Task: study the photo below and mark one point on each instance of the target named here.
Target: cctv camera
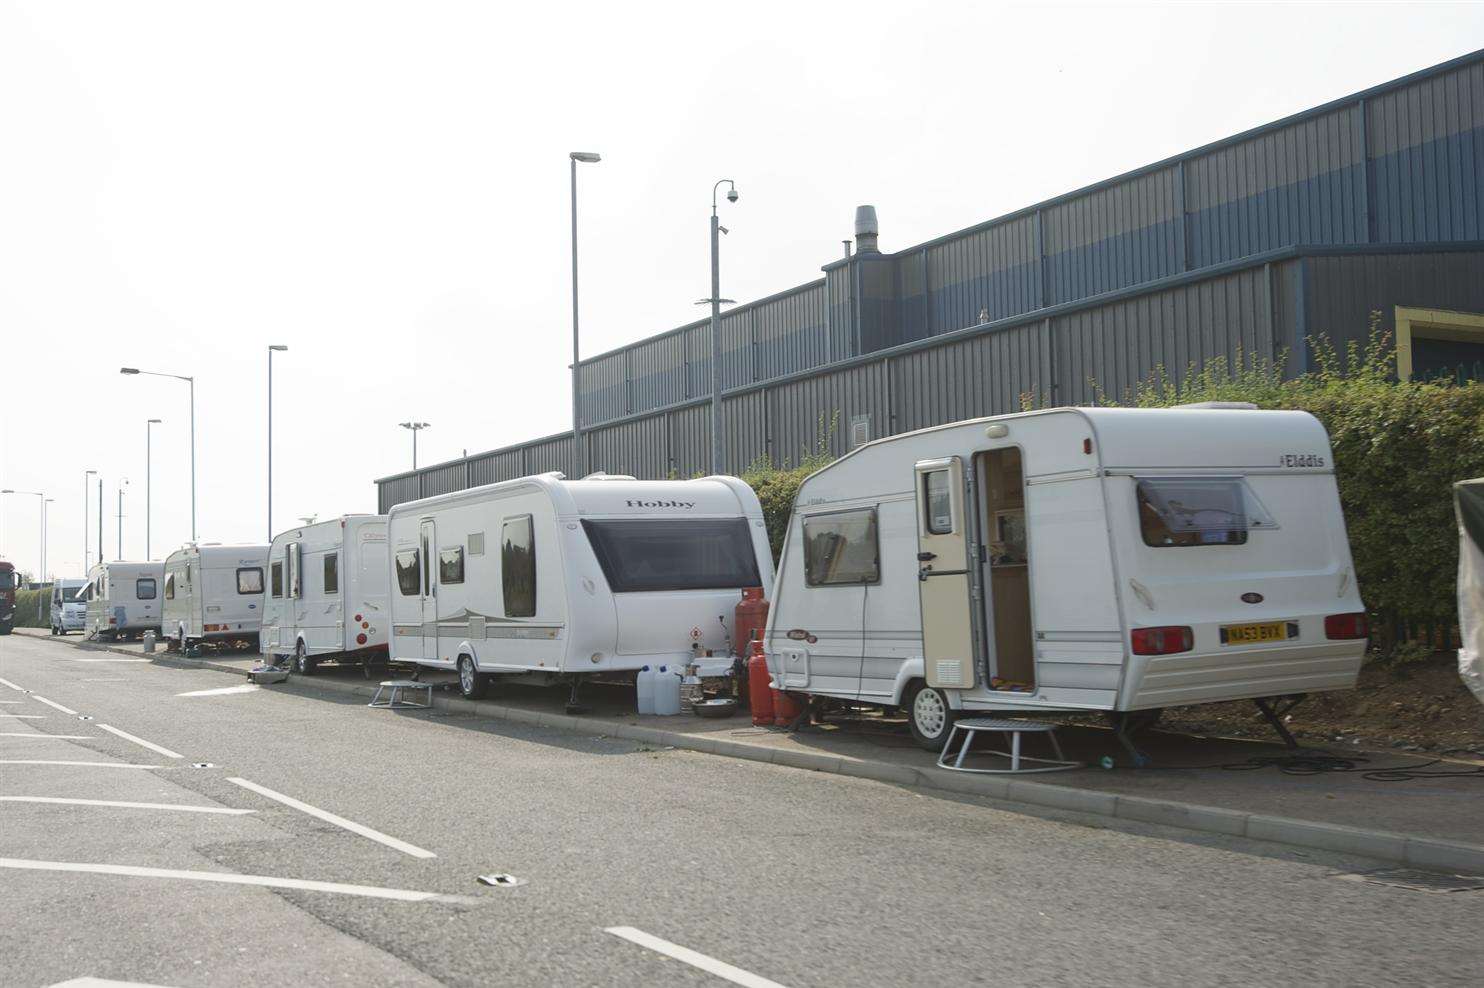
(731, 195)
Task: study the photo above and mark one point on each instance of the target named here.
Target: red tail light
(1346, 626)
(360, 639)
(1162, 641)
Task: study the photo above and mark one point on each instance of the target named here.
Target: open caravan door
(1468, 502)
(943, 574)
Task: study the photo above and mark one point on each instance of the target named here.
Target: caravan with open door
(214, 593)
(327, 593)
(551, 579)
(1071, 559)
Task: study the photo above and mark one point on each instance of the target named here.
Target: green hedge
(26, 613)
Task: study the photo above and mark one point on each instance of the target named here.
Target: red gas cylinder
(785, 709)
(749, 620)
(759, 696)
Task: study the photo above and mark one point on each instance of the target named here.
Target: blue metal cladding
(1113, 238)
(658, 366)
(397, 490)
(984, 375)
(690, 441)
(1304, 183)
(745, 437)
(984, 275)
(790, 332)
(443, 479)
(547, 455)
(1346, 290)
(634, 447)
(813, 412)
(1427, 150)
(605, 388)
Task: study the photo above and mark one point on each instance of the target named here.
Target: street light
(192, 382)
(41, 547)
(416, 427)
(272, 349)
(579, 451)
(148, 486)
(716, 300)
(85, 475)
(125, 483)
(44, 502)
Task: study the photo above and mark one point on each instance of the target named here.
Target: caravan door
(428, 544)
(943, 577)
(293, 587)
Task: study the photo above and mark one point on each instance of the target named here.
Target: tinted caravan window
(407, 580)
(144, 588)
(518, 566)
(651, 554)
(1192, 511)
(841, 548)
(332, 573)
(277, 578)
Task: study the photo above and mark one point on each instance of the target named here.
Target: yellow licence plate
(1246, 634)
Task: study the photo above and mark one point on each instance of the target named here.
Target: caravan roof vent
(600, 475)
(1231, 405)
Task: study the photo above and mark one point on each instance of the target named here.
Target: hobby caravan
(214, 593)
(123, 599)
(548, 578)
(327, 593)
(1071, 559)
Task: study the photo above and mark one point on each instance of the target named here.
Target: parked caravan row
(122, 599)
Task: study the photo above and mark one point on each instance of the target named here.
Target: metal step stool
(1014, 728)
(398, 687)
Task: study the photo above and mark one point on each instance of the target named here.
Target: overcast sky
(383, 188)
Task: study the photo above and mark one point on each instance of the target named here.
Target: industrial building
(1245, 247)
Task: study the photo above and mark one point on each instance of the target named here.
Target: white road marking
(25, 716)
(38, 734)
(55, 704)
(25, 761)
(710, 965)
(10, 701)
(6, 682)
(226, 810)
(369, 891)
(223, 691)
(91, 982)
(338, 821)
(73, 659)
(157, 749)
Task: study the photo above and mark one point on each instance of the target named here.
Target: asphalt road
(799, 878)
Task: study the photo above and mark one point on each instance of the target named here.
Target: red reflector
(1162, 641)
(113, 620)
(358, 617)
(1087, 446)
(1346, 626)
(360, 639)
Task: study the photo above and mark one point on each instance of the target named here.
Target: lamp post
(716, 230)
(41, 543)
(272, 349)
(148, 485)
(192, 382)
(416, 427)
(579, 452)
(85, 519)
(44, 502)
(125, 483)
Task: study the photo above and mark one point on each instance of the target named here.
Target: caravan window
(451, 565)
(332, 572)
(518, 566)
(144, 588)
(250, 580)
(407, 572)
(651, 554)
(841, 548)
(1191, 511)
(170, 587)
(939, 502)
(276, 571)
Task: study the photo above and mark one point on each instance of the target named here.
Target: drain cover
(84, 717)
(202, 765)
(501, 881)
(1419, 881)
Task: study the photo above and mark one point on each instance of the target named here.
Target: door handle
(926, 557)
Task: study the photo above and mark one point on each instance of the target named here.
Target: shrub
(33, 608)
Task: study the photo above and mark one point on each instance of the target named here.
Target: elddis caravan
(214, 593)
(1071, 559)
(554, 578)
(123, 599)
(327, 593)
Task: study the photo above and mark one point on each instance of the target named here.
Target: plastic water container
(667, 692)
(644, 687)
(149, 641)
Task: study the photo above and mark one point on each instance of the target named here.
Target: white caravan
(556, 579)
(69, 606)
(327, 593)
(123, 599)
(214, 593)
(1071, 559)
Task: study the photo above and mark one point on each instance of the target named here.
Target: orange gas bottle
(785, 709)
(750, 619)
(759, 696)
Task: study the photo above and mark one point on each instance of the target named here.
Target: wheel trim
(466, 675)
(929, 713)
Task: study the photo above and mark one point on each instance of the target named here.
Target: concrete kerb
(1419, 852)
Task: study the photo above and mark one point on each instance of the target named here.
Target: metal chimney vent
(866, 229)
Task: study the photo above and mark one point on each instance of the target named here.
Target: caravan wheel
(471, 682)
(929, 715)
(304, 664)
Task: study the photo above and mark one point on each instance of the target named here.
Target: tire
(473, 684)
(928, 715)
(304, 663)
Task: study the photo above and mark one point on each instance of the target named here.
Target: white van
(69, 606)
(214, 593)
(555, 579)
(327, 593)
(1071, 559)
(123, 599)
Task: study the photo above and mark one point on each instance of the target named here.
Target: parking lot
(172, 827)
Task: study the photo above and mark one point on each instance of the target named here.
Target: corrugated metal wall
(1345, 290)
